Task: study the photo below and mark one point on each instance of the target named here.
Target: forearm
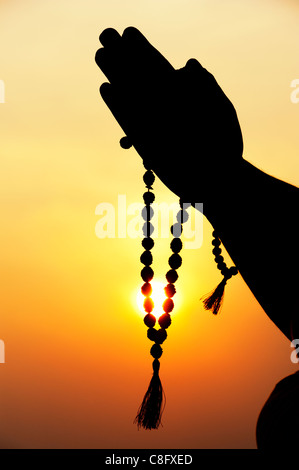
(256, 217)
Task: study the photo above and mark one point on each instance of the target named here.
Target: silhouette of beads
(172, 276)
(149, 320)
(148, 243)
(169, 290)
(156, 351)
(176, 245)
(149, 178)
(146, 258)
(125, 143)
(147, 229)
(226, 272)
(164, 320)
(158, 336)
(146, 289)
(147, 274)
(148, 304)
(175, 261)
(168, 305)
(148, 197)
(147, 212)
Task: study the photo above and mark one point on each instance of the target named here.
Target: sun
(158, 296)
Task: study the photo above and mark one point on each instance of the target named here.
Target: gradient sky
(77, 356)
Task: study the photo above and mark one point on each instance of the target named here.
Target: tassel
(150, 412)
(213, 301)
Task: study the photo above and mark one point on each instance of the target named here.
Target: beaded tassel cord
(213, 300)
(151, 409)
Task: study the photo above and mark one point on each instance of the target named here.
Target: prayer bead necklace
(151, 409)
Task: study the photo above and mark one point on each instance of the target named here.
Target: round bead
(222, 266)
(147, 274)
(147, 229)
(161, 336)
(168, 305)
(233, 270)
(148, 243)
(156, 351)
(219, 259)
(152, 334)
(169, 290)
(164, 320)
(175, 261)
(172, 276)
(182, 216)
(147, 212)
(216, 251)
(148, 197)
(176, 245)
(125, 143)
(176, 230)
(148, 178)
(228, 274)
(148, 304)
(215, 234)
(224, 271)
(149, 320)
(146, 289)
(146, 258)
(216, 242)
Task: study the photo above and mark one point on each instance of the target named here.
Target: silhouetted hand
(179, 121)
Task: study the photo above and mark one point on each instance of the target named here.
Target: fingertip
(109, 36)
(131, 33)
(99, 56)
(105, 90)
(194, 64)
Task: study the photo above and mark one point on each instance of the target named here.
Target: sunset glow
(77, 357)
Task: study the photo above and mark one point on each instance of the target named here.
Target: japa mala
(150, 411)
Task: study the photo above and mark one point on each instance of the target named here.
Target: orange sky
(77, 356)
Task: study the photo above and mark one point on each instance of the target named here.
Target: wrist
(228, 189)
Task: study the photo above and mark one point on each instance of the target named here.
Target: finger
(130, 57)
(195, 68)
(197, 74)
(110, 57)
(114, 102)
(193, 64)
(110, 38)
(110, 63)
(144, 60)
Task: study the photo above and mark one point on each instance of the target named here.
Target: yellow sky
(77, 356)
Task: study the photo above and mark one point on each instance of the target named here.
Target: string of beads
(213, 301)
(150, 411)
(226, 272)
(147, 273)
